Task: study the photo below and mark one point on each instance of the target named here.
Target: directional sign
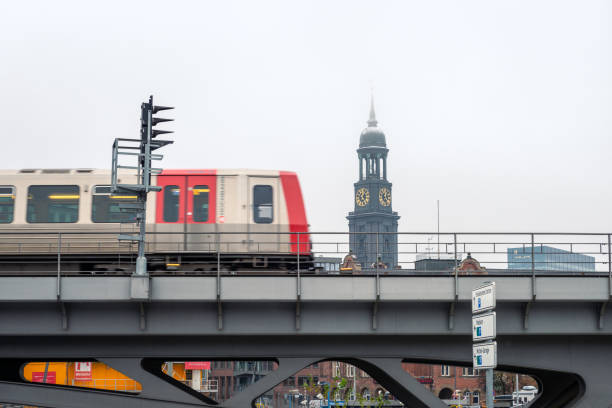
(485, 355)
(483, 298)
(483, 327)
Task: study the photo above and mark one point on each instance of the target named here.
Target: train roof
(173, 172)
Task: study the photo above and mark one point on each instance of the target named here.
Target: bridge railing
(324, 253)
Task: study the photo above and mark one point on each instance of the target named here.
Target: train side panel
(70, 193)
(294, 202)
(253, 210)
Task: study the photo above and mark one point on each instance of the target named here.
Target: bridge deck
(312, 288)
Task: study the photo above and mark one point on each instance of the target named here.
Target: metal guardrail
(422, 251)
(457, 254)
(207, 386)
(114, 384)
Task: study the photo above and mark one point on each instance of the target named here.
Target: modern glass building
(549, 259)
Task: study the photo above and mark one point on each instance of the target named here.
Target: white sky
(499, 109)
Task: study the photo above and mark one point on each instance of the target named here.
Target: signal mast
(142, 149)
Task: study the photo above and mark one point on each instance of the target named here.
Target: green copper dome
(372, 136)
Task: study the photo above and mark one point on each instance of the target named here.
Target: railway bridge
(557, 330)
(553, 326)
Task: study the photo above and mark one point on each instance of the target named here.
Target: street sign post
(483, 327)
(485, 355)
(484, 330)
(483, 298)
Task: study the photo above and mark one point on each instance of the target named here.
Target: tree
(499, 382)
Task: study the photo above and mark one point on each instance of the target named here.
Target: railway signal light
(148, 123)
(145, 146)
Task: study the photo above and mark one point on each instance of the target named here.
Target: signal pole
(142, 149)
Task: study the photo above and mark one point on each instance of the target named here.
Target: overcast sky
(502, 110)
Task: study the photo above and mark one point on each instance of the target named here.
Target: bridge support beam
(403, 386)
(160, 390)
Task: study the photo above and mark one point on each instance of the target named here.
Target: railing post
(376, 256)
(298, 297)
(218, 264)
(219, 307)
(299, 288)
(609, 267)
(377, 272)
(533, 277)
(59, 262)
(456, 266)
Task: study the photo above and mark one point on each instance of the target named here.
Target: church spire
(372, 122)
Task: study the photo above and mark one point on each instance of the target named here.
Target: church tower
(373, 203)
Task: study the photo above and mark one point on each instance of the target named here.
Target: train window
(263, 205)
(53, 204)
(171, 203)
(200, 203)
(7, 204)
(105, 206)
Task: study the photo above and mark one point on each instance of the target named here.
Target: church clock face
(362, 197)
(384, 196)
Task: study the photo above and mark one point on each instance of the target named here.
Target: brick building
(233, 376)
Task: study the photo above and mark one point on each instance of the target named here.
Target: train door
(200, 213)
(263, 194)
(171, 213)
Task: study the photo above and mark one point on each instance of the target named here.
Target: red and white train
(251, 218)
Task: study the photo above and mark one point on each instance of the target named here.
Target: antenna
(438, 205)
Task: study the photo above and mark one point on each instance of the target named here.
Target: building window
(263, 205)
(475, 397)
(445, 371)
(172, 195)
(336, 369)
(350, 371)
(57, 204)
(469, 372)
(305, 381)
(200, 203)
(7, 204)
(106, 206)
